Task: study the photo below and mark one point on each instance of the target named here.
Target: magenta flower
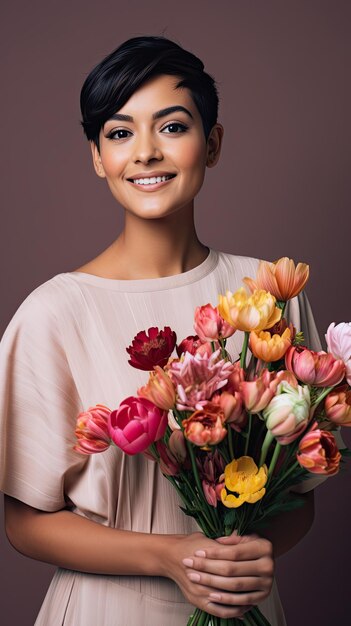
(92, 430)
(210, 325)
(338, 339)
(320, 369)
(155, 348)
(197, 377)
(136, 424)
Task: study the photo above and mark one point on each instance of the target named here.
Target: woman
(111, 523)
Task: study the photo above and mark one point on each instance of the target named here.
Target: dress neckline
(151, 284)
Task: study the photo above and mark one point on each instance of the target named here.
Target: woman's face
(152, 142)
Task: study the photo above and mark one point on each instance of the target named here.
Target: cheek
(193, 156)
(113, 161)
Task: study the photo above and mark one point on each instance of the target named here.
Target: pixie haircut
(116, 78)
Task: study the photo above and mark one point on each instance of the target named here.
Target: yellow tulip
(249, 312)
(281, 278)
(243, 477)
(269, 347)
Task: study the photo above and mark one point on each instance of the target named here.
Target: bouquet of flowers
(233, 437)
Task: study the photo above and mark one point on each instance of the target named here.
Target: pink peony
(136, 424)
(197, 378)
(338, 339)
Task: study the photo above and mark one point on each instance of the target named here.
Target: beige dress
(65, 350)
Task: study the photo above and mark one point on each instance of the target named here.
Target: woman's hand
(223, 577)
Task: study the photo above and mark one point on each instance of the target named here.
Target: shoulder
(42, 309)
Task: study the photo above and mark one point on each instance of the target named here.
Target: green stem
(248, 434)
(274, 459)
(213, 346)
(322, 396)
(244, 350)
(230, 442)
(265, 447)
(199, 487)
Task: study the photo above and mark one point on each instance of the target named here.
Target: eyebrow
(155, 116)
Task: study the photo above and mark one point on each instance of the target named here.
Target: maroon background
(282, 187)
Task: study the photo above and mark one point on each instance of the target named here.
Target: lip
(152, 187)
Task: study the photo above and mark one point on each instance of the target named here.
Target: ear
(97, 160)
(214, 144)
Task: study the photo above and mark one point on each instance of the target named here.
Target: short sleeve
(39, 404)
(299, 312)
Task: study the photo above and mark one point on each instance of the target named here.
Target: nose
(146, 148)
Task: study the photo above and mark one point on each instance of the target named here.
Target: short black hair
(113, 81)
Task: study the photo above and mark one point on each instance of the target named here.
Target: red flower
(155, 348)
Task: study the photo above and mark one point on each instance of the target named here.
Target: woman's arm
(71, 541)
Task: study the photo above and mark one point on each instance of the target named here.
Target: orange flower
(245, 312)
(338, 405)
(269, 347)
(159, 390)
(205, 426)
(281, 278)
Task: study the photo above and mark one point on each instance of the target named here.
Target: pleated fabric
(63, 351)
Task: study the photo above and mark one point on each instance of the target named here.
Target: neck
(155, 248)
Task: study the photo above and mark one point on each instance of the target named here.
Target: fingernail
(215, 596)
(188, 562)
(194, 577)
(200, 553)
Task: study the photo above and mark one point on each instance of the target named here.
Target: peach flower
(281, 278)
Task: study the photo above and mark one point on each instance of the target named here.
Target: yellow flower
(249, 312)
(243, 477)
(269, 347)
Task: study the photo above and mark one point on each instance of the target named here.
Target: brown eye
(173, 125)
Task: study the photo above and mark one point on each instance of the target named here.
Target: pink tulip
(209, 325)
(287, 414)
(210, 493)
(314, 368)
(236, 377)
(232, 405)
(136, 424)
(177, 446)
(338, 339)
(318, 452)
(205, 427)
(338, 405)
(194, 345)
(258, 393)
(92, 430)
(169, 465)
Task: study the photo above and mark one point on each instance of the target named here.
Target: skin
(162, 222)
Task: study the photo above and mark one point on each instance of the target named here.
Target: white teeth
(150, 181)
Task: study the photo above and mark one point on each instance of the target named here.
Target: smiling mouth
(154, 182)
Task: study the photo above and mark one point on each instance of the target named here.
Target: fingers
(229, 568)
(238, 585)
(243, 551)
(234, 538)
